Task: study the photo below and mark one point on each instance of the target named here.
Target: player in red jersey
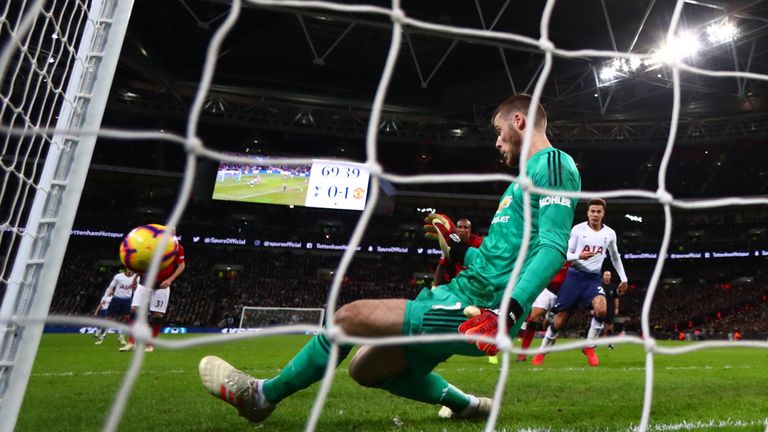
(541, 307)
(158, 304)
(442, 274)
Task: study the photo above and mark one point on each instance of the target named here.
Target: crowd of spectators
(711, 300)
(698, 294)
(128, 205)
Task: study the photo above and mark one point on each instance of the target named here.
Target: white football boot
(482, 409)
(237, 388)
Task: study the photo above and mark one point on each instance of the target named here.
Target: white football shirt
(583, 238)
(122, 285)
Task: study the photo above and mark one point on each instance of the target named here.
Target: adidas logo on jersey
(555, 200)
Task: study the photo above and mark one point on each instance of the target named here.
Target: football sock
(131, 340)
(549, 338)
(156, 328)
(305, 369)
(430, 388)
(595, 328)
(528, 334)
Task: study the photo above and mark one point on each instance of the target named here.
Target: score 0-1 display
(337, 185)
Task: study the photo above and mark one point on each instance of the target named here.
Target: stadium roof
(315, 71)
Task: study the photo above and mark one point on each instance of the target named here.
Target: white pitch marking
(665, 427)
(106, 372)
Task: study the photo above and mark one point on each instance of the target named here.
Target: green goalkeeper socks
(308, 367)
(430, 388)
(305, 369)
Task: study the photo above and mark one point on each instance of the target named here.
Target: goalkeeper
(407, 370)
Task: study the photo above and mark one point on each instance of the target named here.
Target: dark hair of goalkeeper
(520, 103)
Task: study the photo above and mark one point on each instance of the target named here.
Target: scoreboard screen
(338, 185)
(324, 184)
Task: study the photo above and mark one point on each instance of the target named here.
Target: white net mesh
(37, 63)
(195, 149)
(53, 53)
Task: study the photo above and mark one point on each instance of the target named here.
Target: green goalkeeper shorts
(435, 311)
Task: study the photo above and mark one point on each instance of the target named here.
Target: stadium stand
(712, 300)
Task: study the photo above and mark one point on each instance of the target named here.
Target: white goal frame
(40, 253)
(246, 308)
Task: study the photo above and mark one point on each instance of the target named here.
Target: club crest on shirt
(504, 203)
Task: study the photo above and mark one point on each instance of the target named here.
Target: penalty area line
(587, 368)
(105, 372)
(685, 425)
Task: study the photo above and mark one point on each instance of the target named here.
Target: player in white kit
(587, 247)
(121, 290)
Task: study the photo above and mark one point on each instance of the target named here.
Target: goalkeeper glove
(485, 322)
(441, 228)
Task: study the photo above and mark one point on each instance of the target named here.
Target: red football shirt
(559, 278)
(474, 241)
(168, 271)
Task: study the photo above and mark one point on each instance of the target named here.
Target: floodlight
(722, 32)
(607, 73)
(683, 45)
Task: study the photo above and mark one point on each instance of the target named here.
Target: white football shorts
(159, 301)
(545, 300)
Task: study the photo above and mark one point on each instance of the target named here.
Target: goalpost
(55, 72)
(256, 318)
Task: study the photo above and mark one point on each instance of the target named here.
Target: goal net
(54, 88)
(56, 68)
(256, 318)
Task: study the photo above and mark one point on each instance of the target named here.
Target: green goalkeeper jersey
(490, 266)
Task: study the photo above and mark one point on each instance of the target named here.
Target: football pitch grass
(74, 382)
(269, 191)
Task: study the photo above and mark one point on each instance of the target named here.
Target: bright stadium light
(722, 32)
(684, 45)
(608, 73)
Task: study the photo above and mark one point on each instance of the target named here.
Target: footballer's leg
(543, 303)
(157, 307)
(436, 311)
(529, 331)
(359, 318)
(235, 387)
(564, 303)
(372, 365)
(140, 295)
(387, 368)
(550, 337)
(100, 335)
(595, 328)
